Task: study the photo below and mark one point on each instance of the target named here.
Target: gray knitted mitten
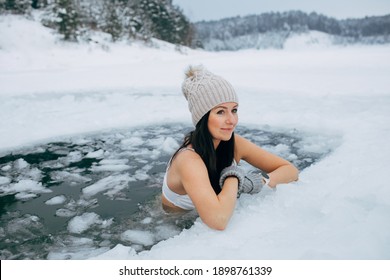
(232, 171)
(253, 182)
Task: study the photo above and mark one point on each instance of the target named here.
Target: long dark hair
(214, 159)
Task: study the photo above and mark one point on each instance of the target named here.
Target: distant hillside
(272, 30)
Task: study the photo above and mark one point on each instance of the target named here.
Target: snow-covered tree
(64, 16)
(15, 6)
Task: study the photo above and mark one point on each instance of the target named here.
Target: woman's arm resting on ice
(279, 170)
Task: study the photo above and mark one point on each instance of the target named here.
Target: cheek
(213, 123)
(236, 118)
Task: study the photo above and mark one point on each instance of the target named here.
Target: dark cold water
(81, 196)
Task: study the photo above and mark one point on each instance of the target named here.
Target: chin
(226, 137)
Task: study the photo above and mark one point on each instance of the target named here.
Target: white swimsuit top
(180, 200)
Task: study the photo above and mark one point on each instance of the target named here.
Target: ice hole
(105, 188)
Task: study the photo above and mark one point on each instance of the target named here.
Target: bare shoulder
(186, 154)
(192, 172)
(188, 159)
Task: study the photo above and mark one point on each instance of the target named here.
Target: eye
(234, 111)
(220, 112)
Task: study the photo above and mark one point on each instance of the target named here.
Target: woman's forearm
(283, 174)
(227, 200)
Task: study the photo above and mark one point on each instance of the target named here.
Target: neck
(216, 143)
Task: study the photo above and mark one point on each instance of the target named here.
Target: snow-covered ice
(138, 237)
(338, 209)
(56, 200)
(111, 184)
(25, 187)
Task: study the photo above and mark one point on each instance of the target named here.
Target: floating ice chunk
(105, 243)
(66, 213)
(170, 145)
(6, 168)
(95, 154)
(147, 220)
(56, 200)
(67, 176)
(25, 196)
(37, 150)
(21, 163)
(76, 248)
(308, 159)
(282, 149)
(292, 157)
(24, 225)
(33, 173)
(141, 175)
(26, 188)
(147, 167)
(155, 154)
(83, 203)
(107, 223)
(112, 184)
(79, 241)
(132, 142)
(29, 186)
(61, 151)
(166, 231)
(155, 142)
(81, 223)
(113, 161)
(141, 237)
(4, 180)
(111, 168)
(74, 156)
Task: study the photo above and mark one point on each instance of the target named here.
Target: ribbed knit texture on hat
(204, 90)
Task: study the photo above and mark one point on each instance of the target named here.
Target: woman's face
(222, 121)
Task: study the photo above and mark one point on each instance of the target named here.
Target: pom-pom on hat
(204, 90)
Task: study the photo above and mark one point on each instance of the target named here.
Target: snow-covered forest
(78, 20)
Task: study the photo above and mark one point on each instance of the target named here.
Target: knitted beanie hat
(204, 90)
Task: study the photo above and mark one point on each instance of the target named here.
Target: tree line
(286, 23)
(122, 19)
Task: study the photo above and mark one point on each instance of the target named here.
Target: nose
(231, 118)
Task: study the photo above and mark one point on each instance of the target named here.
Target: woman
(203, 173)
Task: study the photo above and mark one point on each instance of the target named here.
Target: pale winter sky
(197, 10)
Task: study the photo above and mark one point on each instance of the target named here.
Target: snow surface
(339, 209)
